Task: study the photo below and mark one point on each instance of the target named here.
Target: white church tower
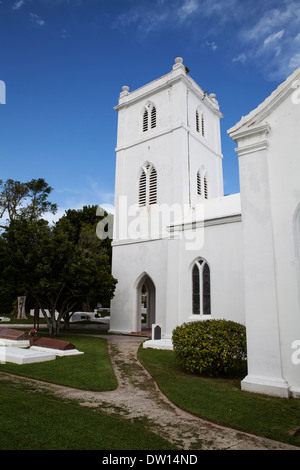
(168, 160)
(190, 252)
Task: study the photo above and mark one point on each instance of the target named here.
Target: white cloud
(211, 44)
(154, 20)
(271, 42)
(149, 16)
(271, 21)
(65, 34)
(18, 4)
(187, 8)
(36, 19)
(294, 62)
(274, 37)
(240, 58)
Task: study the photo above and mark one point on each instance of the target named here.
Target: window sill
(199, 317)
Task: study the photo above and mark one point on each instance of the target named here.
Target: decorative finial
(213, 97)
(124, 92)
(178, 60)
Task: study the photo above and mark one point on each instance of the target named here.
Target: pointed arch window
(149, 117)
(202, 183)
(201, 288)
(148, 185)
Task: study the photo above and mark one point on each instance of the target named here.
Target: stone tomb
(23, 356)
(11, 337)
(14, 346)
(55, 346)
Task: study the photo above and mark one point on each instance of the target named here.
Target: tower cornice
(176, 75)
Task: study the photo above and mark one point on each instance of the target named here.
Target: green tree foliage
(75, 220)
(25, 200)
(210, 347)
(57, 269)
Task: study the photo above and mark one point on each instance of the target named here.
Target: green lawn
(32, 421)
(89, 371)
(221, 400)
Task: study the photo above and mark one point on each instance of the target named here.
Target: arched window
(201, 288)
(200, 125)
(202, 183)
(149, 117)
(148, 185)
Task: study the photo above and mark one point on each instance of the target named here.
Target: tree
(78, 222)
(22, 200)
(57, 271)
(79, 219)
(25, 200)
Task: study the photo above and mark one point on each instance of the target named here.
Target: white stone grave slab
(16, 343)
(57, 352)
(23, 356)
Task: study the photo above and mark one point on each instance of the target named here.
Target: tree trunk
(21, 308)
(52, 323)
(86, 306)
(54, 329)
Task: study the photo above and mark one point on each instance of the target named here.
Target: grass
(221, 400)
(35, 421)
(31, 421)
(89, 371)
(28, 417)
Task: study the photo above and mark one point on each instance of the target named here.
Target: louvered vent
(199, 188)
(202, 125)
(153, 187)
(197, 122)
(148, 186)
(153, 117)
(205, 188)
(145, 121)
(142, 189)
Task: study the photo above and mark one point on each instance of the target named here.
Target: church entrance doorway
(145, 303)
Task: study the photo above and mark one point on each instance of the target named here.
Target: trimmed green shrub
(210, 347)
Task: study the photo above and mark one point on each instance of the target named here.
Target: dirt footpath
(137, 396)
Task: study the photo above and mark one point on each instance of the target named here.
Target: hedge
(210, 347)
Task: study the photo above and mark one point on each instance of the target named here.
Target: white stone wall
(130, 262)
(269, 149)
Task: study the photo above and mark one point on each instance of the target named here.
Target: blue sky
(64, 63)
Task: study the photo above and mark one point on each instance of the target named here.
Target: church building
(182, 251)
